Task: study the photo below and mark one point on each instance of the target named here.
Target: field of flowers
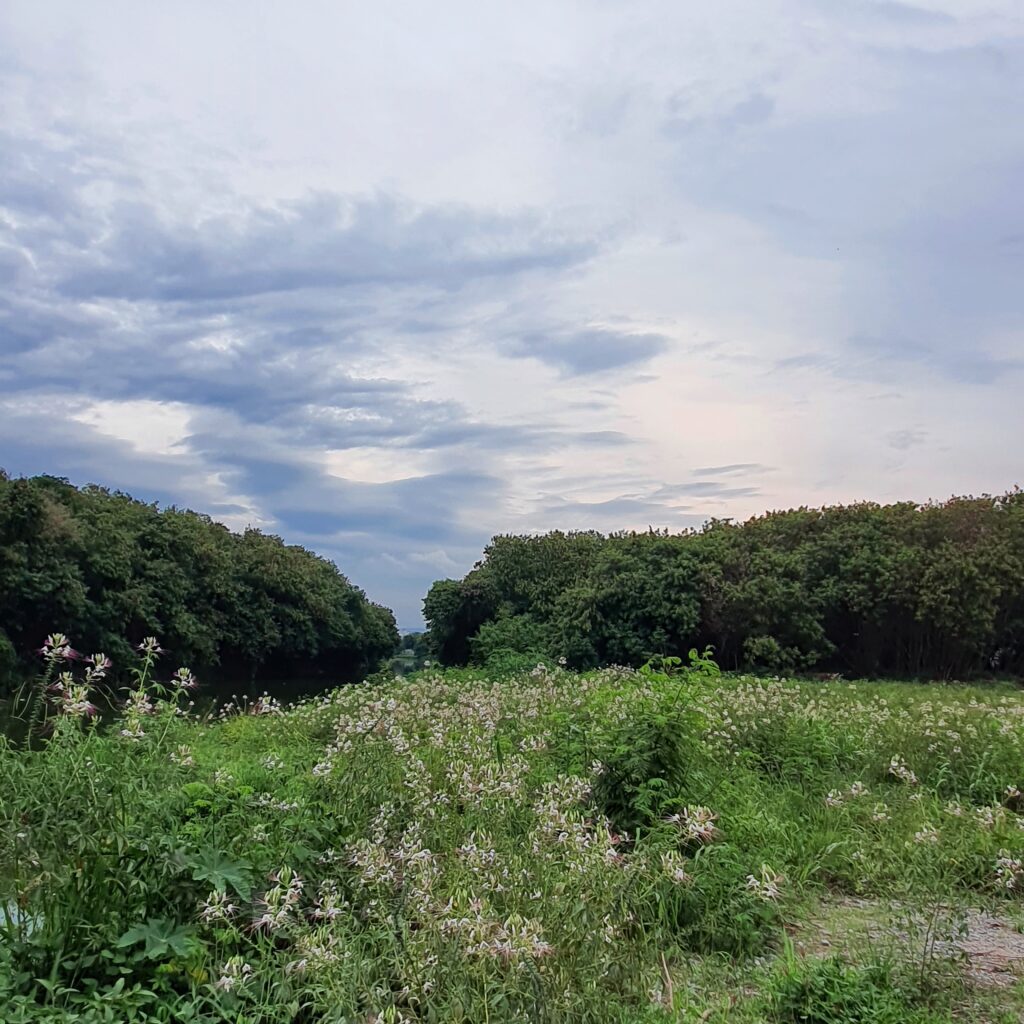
(621, 846)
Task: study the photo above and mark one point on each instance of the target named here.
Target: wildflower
(272, 762)
(266, 705)
(183, 679)
(328, 904)
(1009, 871)
(834, 798)
(223, 777)
(697, 823)
(234, 973)
(279, 902)
(149, 646)
(72, 698)
(182, 756)
(217, 907)
(898, 770)
(768, 886)
(857, 789)
(880, 813)
(928, 835)
(988, 817)
(139, 704)
(57, 647)
(954, 808)
(98, 666)
(674, 866)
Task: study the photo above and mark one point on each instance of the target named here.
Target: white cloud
(389, 278)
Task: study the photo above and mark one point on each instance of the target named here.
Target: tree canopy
(902, 589)
(108, 570)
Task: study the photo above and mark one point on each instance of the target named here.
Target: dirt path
(990, 946)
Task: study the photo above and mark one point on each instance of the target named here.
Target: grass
(614, 847)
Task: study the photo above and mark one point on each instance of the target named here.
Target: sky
(388, 279)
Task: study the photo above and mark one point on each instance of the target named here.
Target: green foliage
(108, 570)
(221, 871)
(513, 635)
(834, 992)
(454, 847)
(863, 589)
(163, 939)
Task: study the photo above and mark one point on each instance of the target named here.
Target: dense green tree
(108, 570)
(934, 589)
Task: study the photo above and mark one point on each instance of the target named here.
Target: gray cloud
(903, 440)
(594, 350)
(732, 469)
(413, 270)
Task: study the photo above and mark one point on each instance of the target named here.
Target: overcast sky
(389, 278)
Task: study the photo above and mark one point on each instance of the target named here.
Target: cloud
(391, 285)
(583, 352)
(620, 513)
(704, 489)
(732, 469)
(903, 440)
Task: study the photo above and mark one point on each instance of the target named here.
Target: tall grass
(619, 846)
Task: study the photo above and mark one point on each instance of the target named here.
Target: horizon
(388, 282)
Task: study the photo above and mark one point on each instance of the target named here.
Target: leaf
(162, 937)
(220, 871)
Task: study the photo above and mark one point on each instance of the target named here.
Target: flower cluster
(766, 885)
(1010, 871)
(56, 648)
(696, 824)
(836, 797)
(898, 770)
(217, 907)
(278, 905)
(72, 698)
(235, 973)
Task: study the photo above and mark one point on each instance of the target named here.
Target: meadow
(652, 845)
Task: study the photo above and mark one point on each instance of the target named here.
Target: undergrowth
(618, 846)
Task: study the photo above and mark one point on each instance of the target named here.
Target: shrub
(833, 992)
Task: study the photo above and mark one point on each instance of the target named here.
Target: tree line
(108, 570)
(864, 589)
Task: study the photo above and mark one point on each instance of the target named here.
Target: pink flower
(57, 647)
(185, 680)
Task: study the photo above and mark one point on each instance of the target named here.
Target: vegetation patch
(536, 846)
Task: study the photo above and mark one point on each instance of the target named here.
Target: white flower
(1009, 871)
(217, 907)
(674, 865)
(697, 823)
(898, 770)
(235, 972)
(768, 886)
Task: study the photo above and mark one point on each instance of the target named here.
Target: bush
(833, 992)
